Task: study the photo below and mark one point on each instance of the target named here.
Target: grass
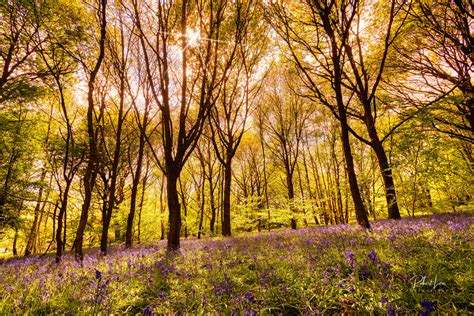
(419, 265)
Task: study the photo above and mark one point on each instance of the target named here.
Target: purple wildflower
(224, 287)
(148, 311)
(391, 310)
(249, 297)
(350, 258)
(98, 275)
(364, 273)
(428, 306)
(162, 296)
(373, 256)
(387, 266)
(383, 299)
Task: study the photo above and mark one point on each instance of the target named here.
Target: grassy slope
(413, 265)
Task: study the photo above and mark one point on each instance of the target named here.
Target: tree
(21, 23)
(18, 148)
(55, 43)
(325, 50)
(239, 91)
(285, 115)
(437, 55)
(364, 76)
(182, 119)
(90, 174)
(119, 48)
(142, 119)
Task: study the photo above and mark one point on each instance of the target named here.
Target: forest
(127, 125)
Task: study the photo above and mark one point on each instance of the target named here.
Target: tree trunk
(115, 165)
(134, 193)
(90, 175)
(15, 240)
(105, 231)
(291, 194)
(6, 184)
(162, 207)
(62, 211)
(212, 202)
(140, 207)
(172, 175)
(226, 229)
(201, 202)
(89, 183)
(361, 213)
(185, 206)
(265, 180)
(31, 243)
(386, 170)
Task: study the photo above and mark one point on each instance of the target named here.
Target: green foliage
(19, 149)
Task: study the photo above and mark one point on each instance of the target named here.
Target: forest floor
(415, 265)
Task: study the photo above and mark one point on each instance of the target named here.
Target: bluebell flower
(373, 256)
(391, 310)
(383, 299)
(350, 258)
(162, 296)
(249, 297)
(98, 275)
(148, 311)
(428, 306)
(364, 273)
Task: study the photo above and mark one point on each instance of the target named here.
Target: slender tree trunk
(415, 179)
(115, 167)
(6, 183)
(202, 202)
(134, 192)
(291, 194)
(185, 206)
(42, 213)
(172, 176)
(89, 183)
(265, 180)
(212, 200)
(386, 170)
(312, 195)
(31, 243)
(142, 199)
(162, 208)
(104, 235)
(361, 213)
(226, 229)
(90, 174)
(15, 240)
(303, 196)
(62, 211)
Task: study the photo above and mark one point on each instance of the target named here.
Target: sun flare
(193, 37)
